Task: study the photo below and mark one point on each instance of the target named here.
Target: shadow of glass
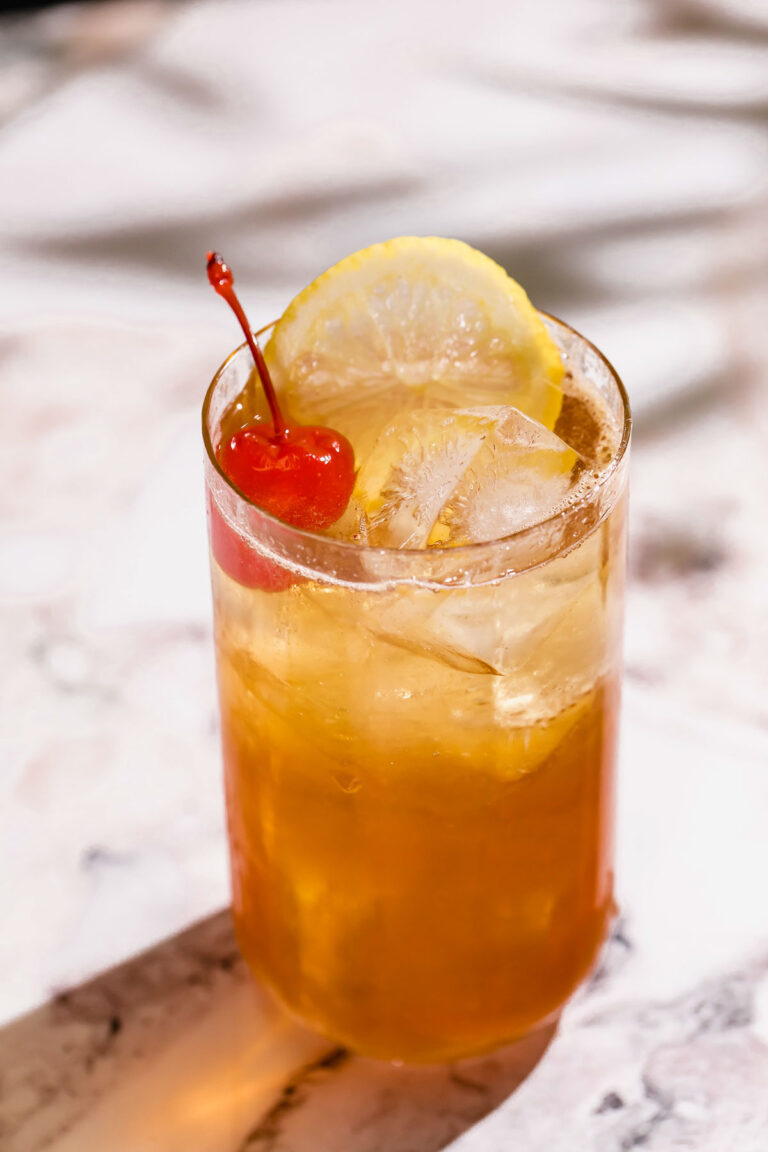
(181, 1049)
(347, 1101)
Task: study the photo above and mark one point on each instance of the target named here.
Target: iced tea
(419, 751)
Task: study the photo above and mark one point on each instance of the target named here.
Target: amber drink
(419, 747)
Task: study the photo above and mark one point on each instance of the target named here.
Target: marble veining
(614, 157)
(665, 1047)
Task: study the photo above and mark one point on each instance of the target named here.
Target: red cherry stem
(222, 280)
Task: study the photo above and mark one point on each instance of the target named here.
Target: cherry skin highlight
(303, 474)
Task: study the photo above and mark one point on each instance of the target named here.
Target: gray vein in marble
(111, 829)
(72, 1070)
(58, 1062)
(268, 1133)
(626, 1074)
(657, 1077)
(344, 1101)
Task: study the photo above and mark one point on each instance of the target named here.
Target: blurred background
(612, 156)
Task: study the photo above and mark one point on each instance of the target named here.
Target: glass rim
(474, 549)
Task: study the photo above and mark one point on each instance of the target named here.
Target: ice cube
(455, 476)
(520, 475)
(415, 465)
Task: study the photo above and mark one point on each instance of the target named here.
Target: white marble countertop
(615, 158)
(665, 1048)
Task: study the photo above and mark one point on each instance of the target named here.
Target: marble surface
(615, 159)
(665, 1047)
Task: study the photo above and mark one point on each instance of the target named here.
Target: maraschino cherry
(302, 473)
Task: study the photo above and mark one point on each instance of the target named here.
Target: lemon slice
(416, 322)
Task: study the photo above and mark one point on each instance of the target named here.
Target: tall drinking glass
(419, 758)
